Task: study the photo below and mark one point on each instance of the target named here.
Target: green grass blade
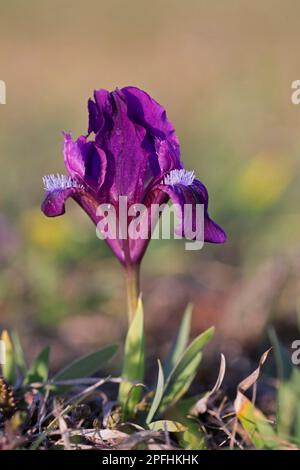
(133, 367)
(87, 365)
(193, 438)
(19, 353)
(180, 342)
(158, 394)
(259, 430)
(288, 397)
(39, 370)
(185, 370)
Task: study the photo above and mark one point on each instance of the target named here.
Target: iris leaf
(133, 367)
(158, 394)
(39, 369)
(288, 398)
(18, 352)
(87, 365)
(185, 370)
(180, 342)
(193, 437)
(259, 430)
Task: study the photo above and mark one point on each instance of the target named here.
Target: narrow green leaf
(19, 353)
(185, 370)
(288, 397)
(282, 358)
(133, 367)
(39, 369)
(167, 425)
(87, 365)
(180, 342)
(193, 438)
(259, 430)
(9, 368)
(158, 394)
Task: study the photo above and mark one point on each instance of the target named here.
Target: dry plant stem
(132, 274)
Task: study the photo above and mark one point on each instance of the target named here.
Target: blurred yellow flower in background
(44, 232)
(263, 181)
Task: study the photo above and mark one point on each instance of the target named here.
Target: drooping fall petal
(183, 189)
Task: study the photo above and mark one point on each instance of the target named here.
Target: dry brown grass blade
(62, 426)
(201, 406)
(98, 437)
(243, 386)
(78, 398)
(252, 378)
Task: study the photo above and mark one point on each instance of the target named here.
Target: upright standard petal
(121, 139)
(147, 112)
(85, 161)
(73, 158)
(134, 132)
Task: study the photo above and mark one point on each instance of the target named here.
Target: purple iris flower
(131, 150)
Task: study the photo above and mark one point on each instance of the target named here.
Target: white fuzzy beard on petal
(60, 182)
(180, 177)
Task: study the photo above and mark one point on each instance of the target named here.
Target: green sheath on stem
(133, 290)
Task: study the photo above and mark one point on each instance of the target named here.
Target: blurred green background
(223, 70)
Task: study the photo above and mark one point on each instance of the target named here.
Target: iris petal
(85, 161)
(54, 202)
(73, 158)
(148, 113)
(193, 194)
